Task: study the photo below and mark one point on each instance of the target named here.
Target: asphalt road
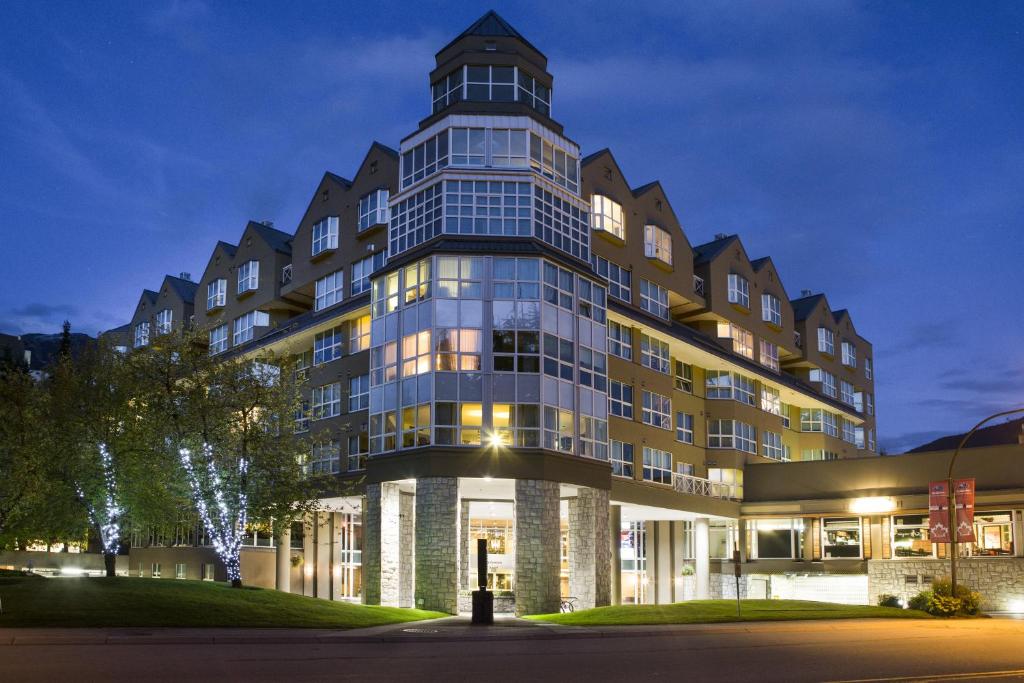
(980, 649)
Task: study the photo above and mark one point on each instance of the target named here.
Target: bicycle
(568, 604)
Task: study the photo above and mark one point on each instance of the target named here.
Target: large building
(504, 339)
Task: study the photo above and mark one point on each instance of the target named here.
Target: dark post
(483, 599)
(738, 571)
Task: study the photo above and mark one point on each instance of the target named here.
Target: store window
(841, 538)
(776, 538)
(993, 532)
(910, 536)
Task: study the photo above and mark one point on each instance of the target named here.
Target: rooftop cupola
(491, 69)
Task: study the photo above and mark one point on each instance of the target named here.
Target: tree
(229, 422)
(22, 447)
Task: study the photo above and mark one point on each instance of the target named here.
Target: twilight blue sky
(874, 150)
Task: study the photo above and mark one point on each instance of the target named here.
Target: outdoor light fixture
(494, 439)
(872, 505)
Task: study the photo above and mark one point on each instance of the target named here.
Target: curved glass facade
(486, 350)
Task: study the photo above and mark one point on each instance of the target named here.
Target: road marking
(976, 675)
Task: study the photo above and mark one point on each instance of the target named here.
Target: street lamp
(951, 495)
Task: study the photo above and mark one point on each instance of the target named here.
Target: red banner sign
(938, 511)
(964, 490)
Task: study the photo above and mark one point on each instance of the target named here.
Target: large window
(216, 293)
(425, 159)
(657, 466)
(327, 346)
(325, 458)
(770, 400)
(739, 290)
(620, 399)
(325, 235)
(840, 538)
(683, 377)
(849, 354)
(867, 368)
(558, 429)
(248, 276)
(359, 334)
(620, 340)
(769, 355)
(490, 83)
(607, 215)
(330, 290)
(519, 425)
(722, 384)
(164, 321)
(619, 279)
(621, 458)
(657, 410)
(654, 298)
(554, 163)
(771, 309)
(358, 393)
(684, 428)
(846, 392)
(827, 381)
(657, 244)
(732, 434)
(654, 353)
(448, 89)
(776, 539)
(358, 447)
(818, 420)
(361, 271)
(994, 534)
(326, 401)
(742, 340)
(245, 326)
(826, 341)
(373, 209)
(771, 446)
(910, 536)
(476, 207)
(219, 339)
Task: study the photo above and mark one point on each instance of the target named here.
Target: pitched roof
(804, 306)
(703, 253)
(228, 248)
(186, 289)
(149, 294)
(490, 25)
(338, 179)
(995, 435)
(277, 239)
(759, 263)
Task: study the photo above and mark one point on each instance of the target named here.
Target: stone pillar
(538, 541)
(324, 533)
(467, 578)
(663, 561)
(678, 560)
(283, 581)
(407, 534)
(589, 549)
(309, 555)
(437, 544)
(380, 544)
(702, 557)
(615, 550)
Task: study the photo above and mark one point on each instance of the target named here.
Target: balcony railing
(698, 285)
(697, 486)
(286, 274)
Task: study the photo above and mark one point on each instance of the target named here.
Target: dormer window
(164, 320)
(216, 293)
(325, 235)
(657, 244)
(141, 334)
(607, 216)
(739, 290)
(248, 276)
(826, 341)
(373, 209)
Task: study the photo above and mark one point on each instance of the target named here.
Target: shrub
(941, 602)
(888, 600)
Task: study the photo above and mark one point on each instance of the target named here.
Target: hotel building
(502, 338)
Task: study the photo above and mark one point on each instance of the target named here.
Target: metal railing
(698, 285)
(698, 486)
(286, 274)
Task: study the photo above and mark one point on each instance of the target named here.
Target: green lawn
(715, 611)
(122, 601)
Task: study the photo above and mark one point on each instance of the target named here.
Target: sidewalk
(440, 630)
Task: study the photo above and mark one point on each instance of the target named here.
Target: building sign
(938, 511)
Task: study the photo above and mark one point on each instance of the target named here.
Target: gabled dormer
(214, 285)
(143, 324)
(175, 304)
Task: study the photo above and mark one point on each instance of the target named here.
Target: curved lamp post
(951, 500)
